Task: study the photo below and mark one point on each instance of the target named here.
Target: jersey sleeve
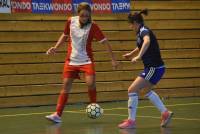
(67, 27)
(144, 32)
(98, 34)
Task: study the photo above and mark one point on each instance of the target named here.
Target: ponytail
(144, 11)
(137, 16)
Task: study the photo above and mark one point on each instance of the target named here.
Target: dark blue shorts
(153, 74)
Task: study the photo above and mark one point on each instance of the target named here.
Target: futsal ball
(94, 111)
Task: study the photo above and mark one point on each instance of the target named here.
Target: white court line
(80, 112)
(153, 117)
(174, 105)
(41, 113)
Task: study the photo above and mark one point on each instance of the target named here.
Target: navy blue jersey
(152, 57)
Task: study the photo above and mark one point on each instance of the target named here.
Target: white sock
(132, 105)
(155, 99)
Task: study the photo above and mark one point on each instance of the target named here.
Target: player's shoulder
(144, 29)
(68, 19)
(94, 24)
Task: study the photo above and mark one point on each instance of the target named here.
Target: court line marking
(153, 117)
(81, 112)
(174, 105)
(41, 113)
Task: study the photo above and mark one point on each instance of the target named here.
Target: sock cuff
(149, 93)
(132, 94)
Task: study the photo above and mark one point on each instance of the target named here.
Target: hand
(51, 51)
(127, 55)
(114, 64)
(135, 59)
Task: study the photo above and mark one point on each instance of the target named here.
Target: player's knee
(147, 91)
(91, 85)
(133, 90)
(66, 89)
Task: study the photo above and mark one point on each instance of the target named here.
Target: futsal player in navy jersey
(148, 51)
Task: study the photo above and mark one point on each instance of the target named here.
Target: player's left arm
(99, 36)
(144, 48)
(109, 49)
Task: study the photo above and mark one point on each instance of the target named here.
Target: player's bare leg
(91, 83)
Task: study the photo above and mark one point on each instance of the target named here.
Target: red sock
(62, 100)
(92, 95)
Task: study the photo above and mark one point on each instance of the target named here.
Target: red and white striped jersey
(79, 51)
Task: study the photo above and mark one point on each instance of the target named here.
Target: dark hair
(85, 6)
(137, 17)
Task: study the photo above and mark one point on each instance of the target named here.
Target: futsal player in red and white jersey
(80, 31)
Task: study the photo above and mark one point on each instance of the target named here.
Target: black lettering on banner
(4, 3)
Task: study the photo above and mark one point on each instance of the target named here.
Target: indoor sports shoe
(126, 124)
(54, 118)
(166, 118)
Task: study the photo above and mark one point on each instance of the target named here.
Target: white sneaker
(54, 118)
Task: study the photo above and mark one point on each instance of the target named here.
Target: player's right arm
(61, 40)
(131, 54)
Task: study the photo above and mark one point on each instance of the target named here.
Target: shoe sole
(168, 120)
(132, 127)
(49, 119)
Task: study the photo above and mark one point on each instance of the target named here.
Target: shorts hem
(148, 80)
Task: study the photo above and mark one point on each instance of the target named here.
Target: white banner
(5, 6)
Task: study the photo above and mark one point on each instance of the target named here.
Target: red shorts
(72, 71)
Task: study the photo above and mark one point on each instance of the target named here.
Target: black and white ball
(94, 111)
